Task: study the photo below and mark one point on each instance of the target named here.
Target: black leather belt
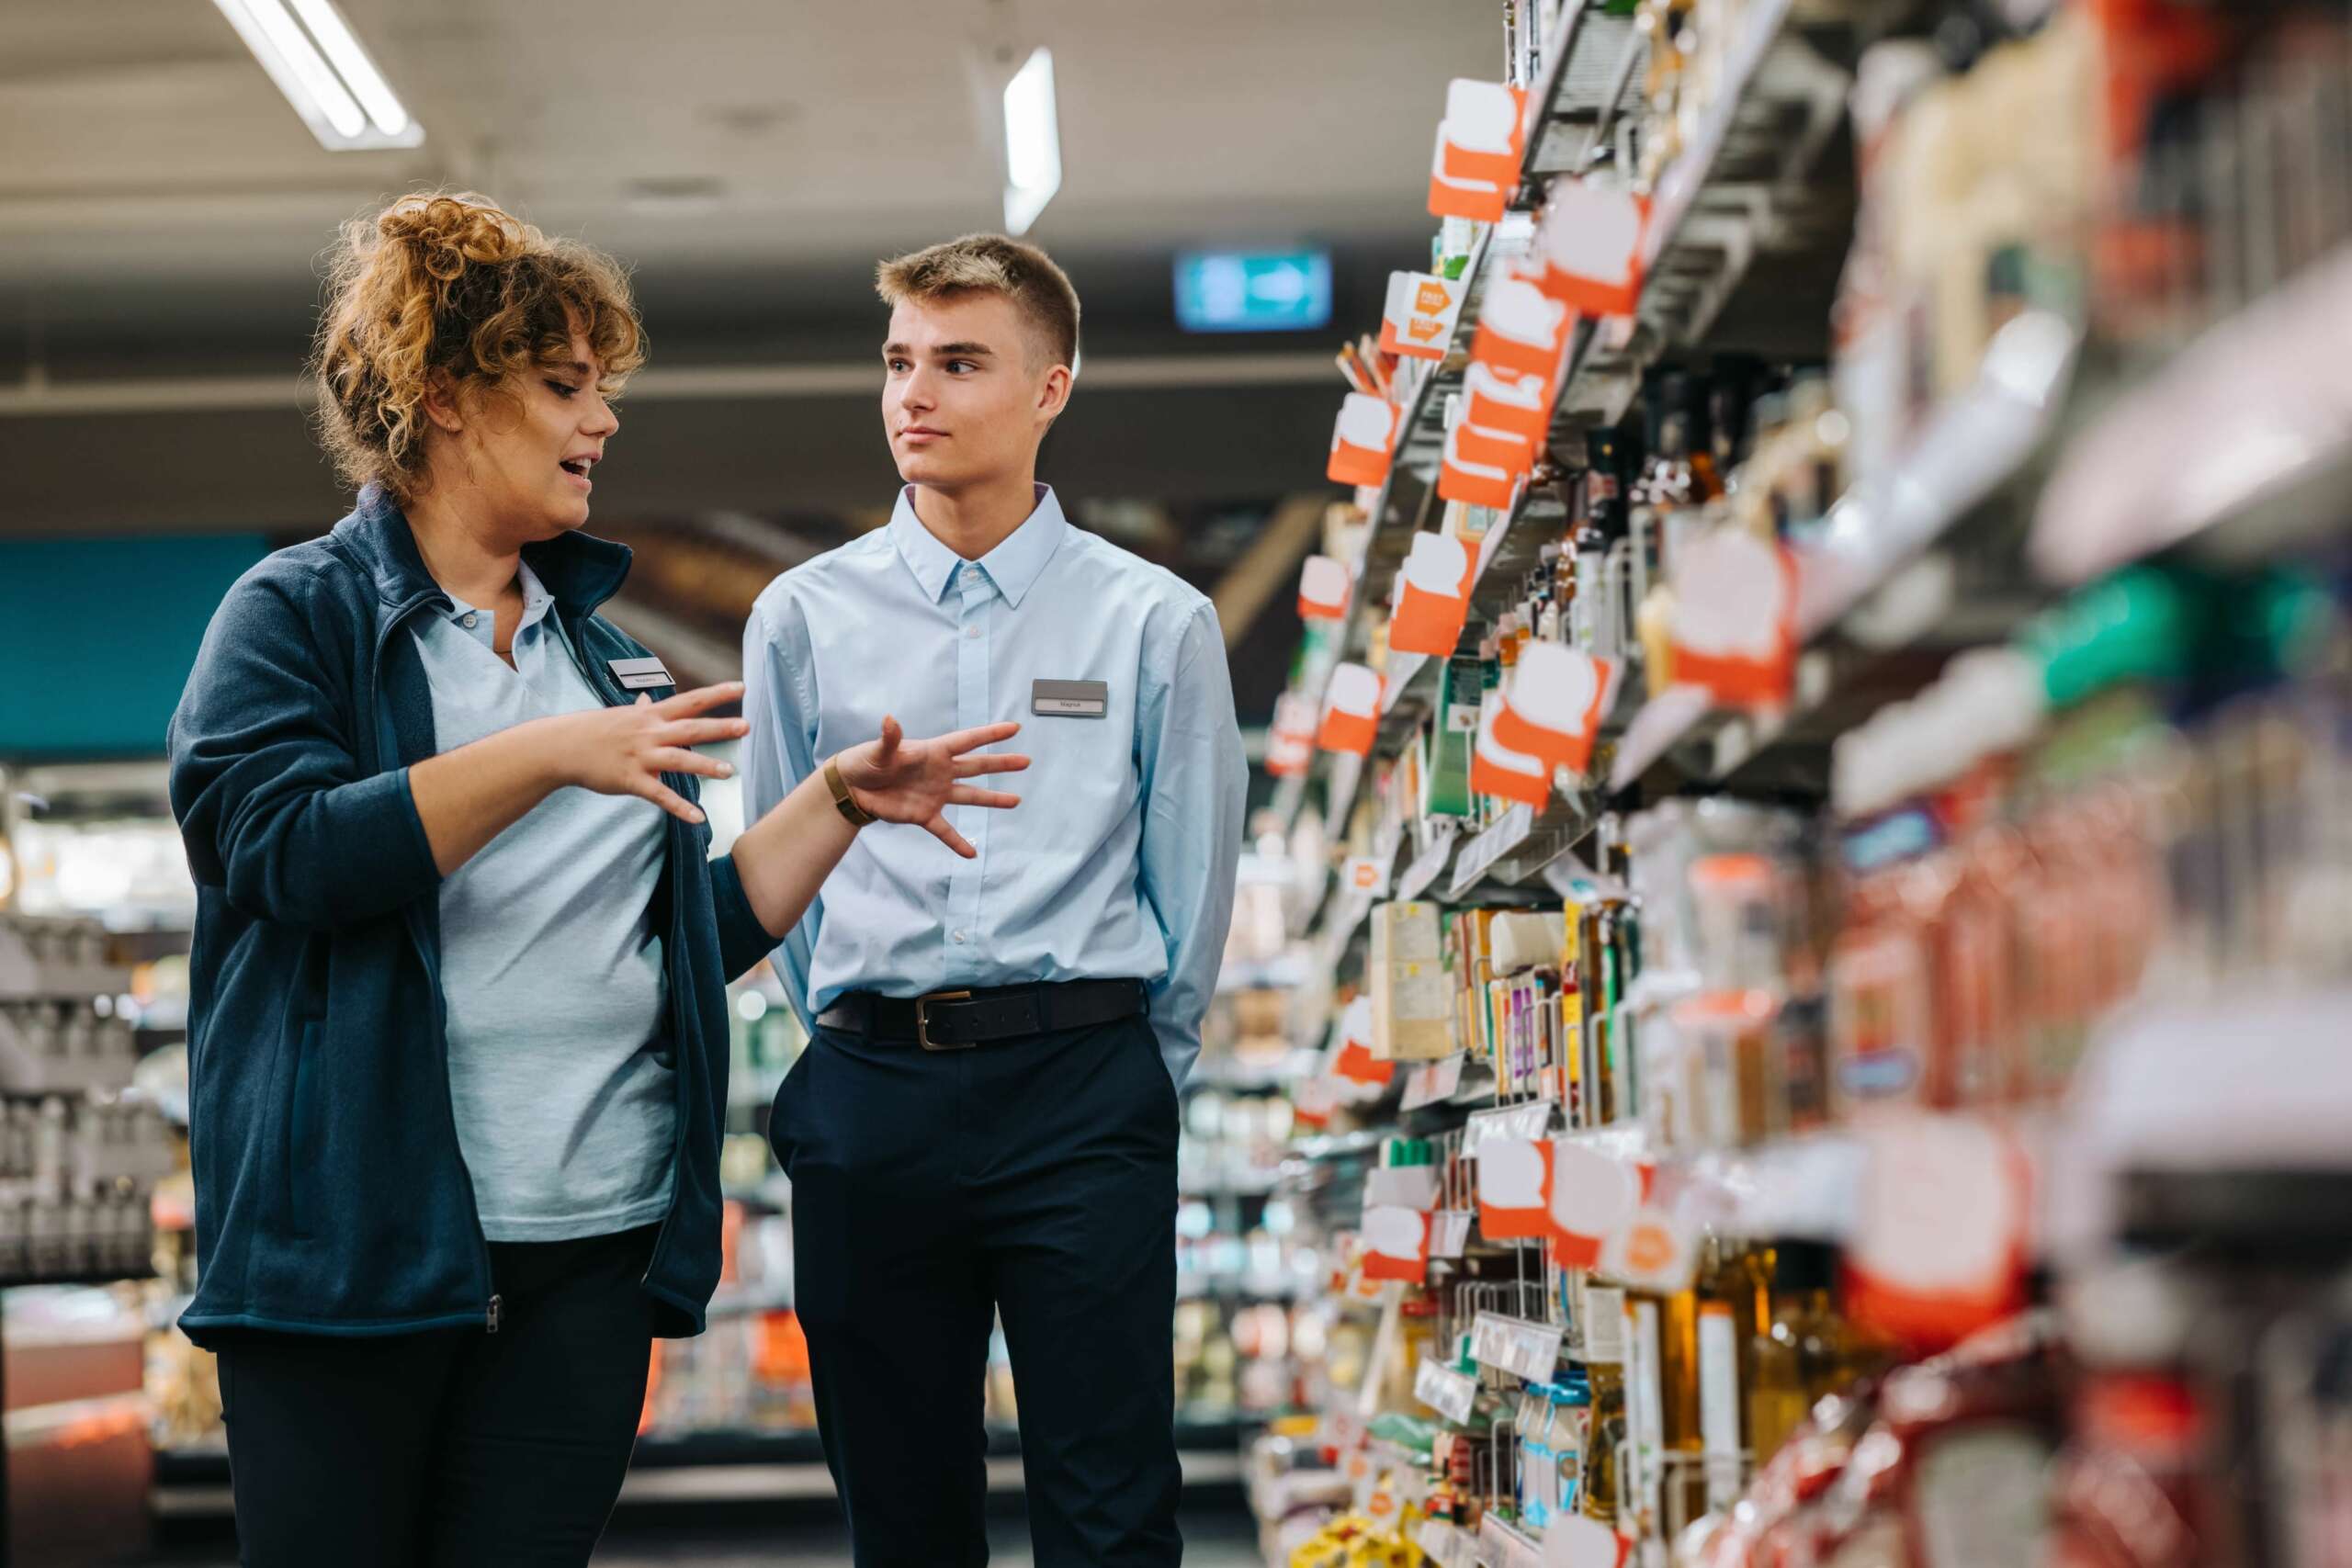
(957, 1021)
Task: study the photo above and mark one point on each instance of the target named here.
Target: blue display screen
(1253, 291)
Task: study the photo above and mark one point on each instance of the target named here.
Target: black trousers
(1034, 1179)
(455, 1448)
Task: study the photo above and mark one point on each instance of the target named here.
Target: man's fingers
(951, 838)
(963, 795)
(963, 740)
(670, 801)
(702, 699)
(678, 760)
(971, 767)
(886, 749)
(702, 731)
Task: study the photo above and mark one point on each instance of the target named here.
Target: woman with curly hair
(458, 1025)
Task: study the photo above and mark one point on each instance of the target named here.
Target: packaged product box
(1412, 999)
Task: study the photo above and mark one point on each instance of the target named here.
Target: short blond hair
(989, 264)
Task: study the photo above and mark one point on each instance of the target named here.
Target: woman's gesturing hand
(626, 751)
(914, 781)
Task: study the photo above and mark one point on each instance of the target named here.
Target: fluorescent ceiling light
(1033, 142)
(325, 72)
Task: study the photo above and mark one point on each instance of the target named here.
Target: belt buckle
(922, 1021)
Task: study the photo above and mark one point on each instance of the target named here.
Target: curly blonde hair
(452, 286)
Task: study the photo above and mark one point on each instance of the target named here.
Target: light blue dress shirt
(1119, 862)
(550, 969)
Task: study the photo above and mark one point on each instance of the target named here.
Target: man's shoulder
(1101, 565)
(844, 565)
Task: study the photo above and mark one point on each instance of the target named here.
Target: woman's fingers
(963, 740)
(963, 795)
(677, 760)
(701, 731)
(702, 699)
(954, 841)
(971, 767)
(670, 800)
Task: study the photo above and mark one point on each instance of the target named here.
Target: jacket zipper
(384, 734)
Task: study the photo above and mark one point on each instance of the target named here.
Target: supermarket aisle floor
(1213, 1539)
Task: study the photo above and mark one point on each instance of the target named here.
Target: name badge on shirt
(1071, 699)
(637, 675)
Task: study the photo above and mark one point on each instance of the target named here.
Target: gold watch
(853, 814)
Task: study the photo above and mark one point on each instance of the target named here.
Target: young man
(985, 1121)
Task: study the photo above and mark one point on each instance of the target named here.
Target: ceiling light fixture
(325, 72)
(1033, 142)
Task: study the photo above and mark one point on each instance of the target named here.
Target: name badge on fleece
(1070, 699)
(637, 674)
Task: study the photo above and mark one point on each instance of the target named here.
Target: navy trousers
(454, 1448)
(1033, 1179)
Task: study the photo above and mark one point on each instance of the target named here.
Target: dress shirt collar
(1013, 566)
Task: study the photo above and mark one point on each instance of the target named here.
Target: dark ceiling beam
(223, 471)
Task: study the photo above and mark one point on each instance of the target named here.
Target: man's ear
(441, 403)
(1054, 396)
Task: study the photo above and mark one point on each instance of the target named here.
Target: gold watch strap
(855, 815)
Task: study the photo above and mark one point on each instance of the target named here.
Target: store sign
(1253, 291)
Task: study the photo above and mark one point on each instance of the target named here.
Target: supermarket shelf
(1740, 190)
(2255, 420)
(1255, 1075)
(1241, 1291)
(1504, 1545)
(1268, 973)
(1517, 847)
(1405, 497)
(102, 1276)
(1338, 1146)
(1971, 452)
(1590, 63)
(1252, 1186)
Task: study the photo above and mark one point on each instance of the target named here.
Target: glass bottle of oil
(1734, 1308)
(1602, 1322)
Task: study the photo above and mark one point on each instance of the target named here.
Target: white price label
(1428, 863)
(1366, 876)
(1451, 1393)
(1447, 1546)
(1432, 1082)
(1450, 1232)
(1508, 834)
(1527, 1122)
(1343, 1429)
(1529, 1351)
(1499, 1546)
(1400, 1186)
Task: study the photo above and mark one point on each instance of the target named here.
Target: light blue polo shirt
(549, 965)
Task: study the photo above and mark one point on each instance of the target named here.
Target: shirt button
(470, 619)
(971, 631)
(959, 936)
